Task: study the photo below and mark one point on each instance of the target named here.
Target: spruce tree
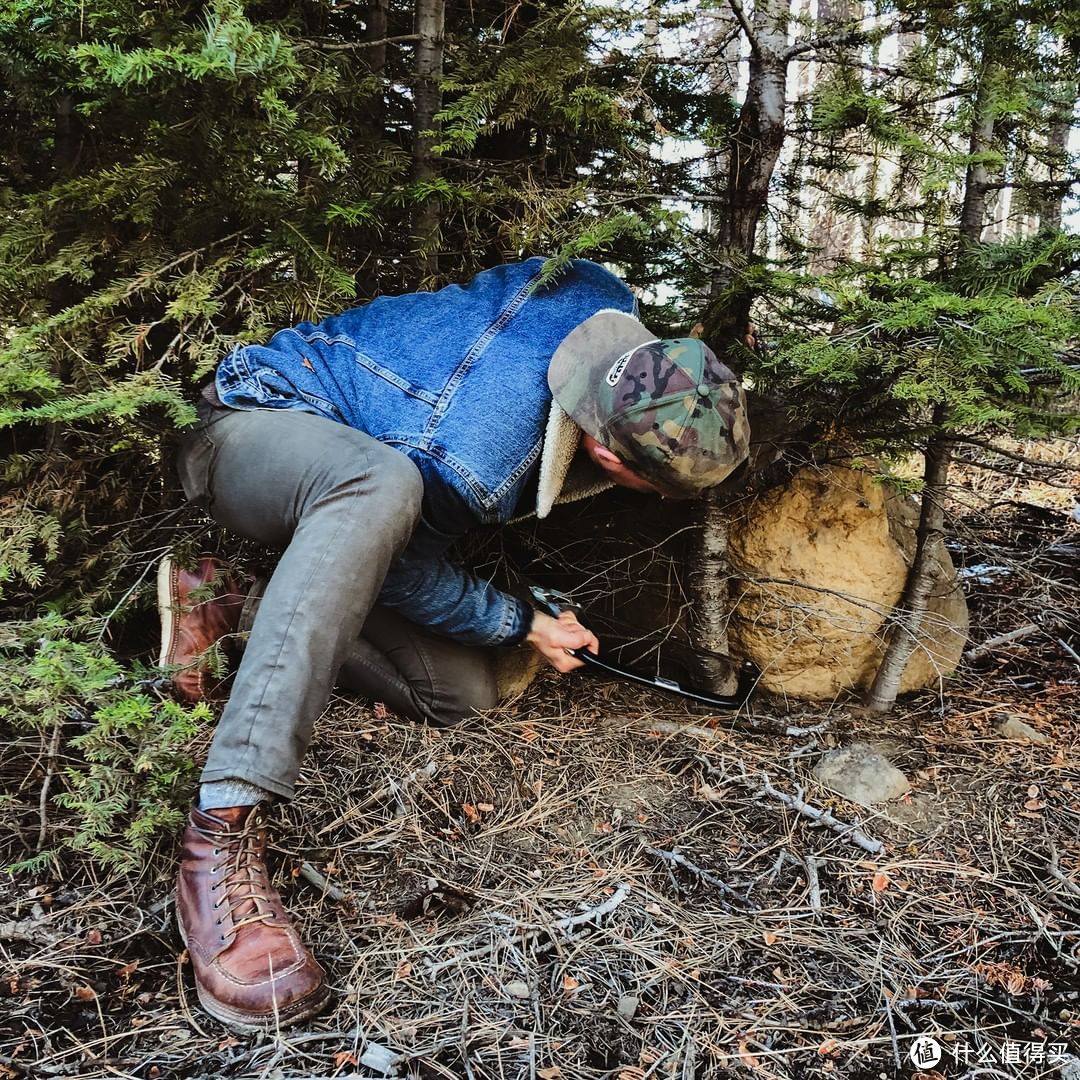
(937, 336)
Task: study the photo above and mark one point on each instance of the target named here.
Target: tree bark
(977, 180)
(753, 153)
(906, 621)
(722, 51)
(427, 100)
(376, 29)
(1057, 141)
(751, 159)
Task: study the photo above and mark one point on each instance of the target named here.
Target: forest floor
(574, 888)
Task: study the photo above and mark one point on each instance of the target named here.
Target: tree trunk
(902, 639)
(376, 26)
(977, 180)
(722, 51)
(906, 621)
(751, 158)
(831, 235)
(907, 617)
(1057, 141)
(65, 145)
(650, 55)
(427, 100)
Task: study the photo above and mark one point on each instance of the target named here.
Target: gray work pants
(342, 506)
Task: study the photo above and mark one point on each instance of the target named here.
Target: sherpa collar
(565, 475)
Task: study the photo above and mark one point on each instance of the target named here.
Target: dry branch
(823, 817)
(1021, 632)
(321, 882)
(763, 726)
(813, 884)
(676, 858)
(393, 787)
(570, 922)
(43, 802)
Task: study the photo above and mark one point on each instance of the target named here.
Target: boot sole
(170, 612)
(242, 1021)
(166, 609)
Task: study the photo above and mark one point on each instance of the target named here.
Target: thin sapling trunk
(902, 637)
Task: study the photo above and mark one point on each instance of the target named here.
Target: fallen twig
(1021, 632)
(392, 788)
(892, 1034)
(823, 817)
(43, 803)
(320, 881)
(159, 905)
(1068, 649)
(747, 727)
(813, 884)
(565, 924)
(929, 1003)
(678, 859)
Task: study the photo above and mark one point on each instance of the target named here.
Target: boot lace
(246, 894)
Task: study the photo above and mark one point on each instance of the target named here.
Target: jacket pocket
(394, 379)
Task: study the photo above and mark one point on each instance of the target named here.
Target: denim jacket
(455, 379)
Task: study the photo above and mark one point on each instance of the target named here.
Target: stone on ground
(1012, 727)
(861, 774)
(381, 1059)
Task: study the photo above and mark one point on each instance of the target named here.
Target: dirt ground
(593, 882)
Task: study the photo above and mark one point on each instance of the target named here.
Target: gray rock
(518, 989)
(1012, 727)
(861, 774)
(628, 1006)
(381, 1059)
(1070, 1067)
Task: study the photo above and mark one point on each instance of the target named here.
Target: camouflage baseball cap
(669, 409)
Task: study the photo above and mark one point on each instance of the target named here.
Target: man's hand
(552, 637)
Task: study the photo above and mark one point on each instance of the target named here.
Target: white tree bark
(751, 159)
(427, 100)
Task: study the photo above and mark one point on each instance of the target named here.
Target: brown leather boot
(189, 627)
(252, 970)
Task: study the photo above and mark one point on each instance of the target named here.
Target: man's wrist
(523, 623)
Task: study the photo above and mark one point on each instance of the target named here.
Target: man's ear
(598, 452)
(602, 453)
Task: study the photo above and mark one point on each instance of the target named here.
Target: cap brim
(577, 370)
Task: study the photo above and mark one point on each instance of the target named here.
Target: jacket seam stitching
(478, 347)
(478, 491)
(368, 362)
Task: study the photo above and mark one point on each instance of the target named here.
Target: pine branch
(748, 30)
(354, 46)
(850, 37)
(983, 444)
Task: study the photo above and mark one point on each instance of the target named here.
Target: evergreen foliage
(176, 179)
(129, 765)
(932, 313)
(870, 362)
